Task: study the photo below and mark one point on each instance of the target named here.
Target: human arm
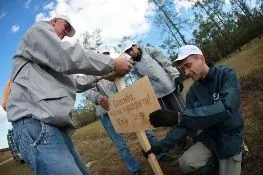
(41, 45)
(174, 138)
(85, 82)
(93, 95)
(163, 61)
(135, 73)
(166, 64)
(96, 97)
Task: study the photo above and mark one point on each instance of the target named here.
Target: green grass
(96, 148)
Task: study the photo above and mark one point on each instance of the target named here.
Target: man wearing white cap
(213, 106)
(43, 94)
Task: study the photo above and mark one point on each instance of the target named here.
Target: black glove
(178, 84)
(164, 118)
(154, 149)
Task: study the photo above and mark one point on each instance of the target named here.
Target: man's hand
(122, 66)
(154, 149)
(178, 84)
(164, 118)
(104, 102)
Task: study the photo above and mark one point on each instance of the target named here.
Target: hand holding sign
(133, 105)
(104, 102)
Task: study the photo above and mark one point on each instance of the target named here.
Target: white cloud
(184, 4)
(27, 4)
(49, 6)
(15, 28)
(41, 17)
(116, 18)
(2, 15)
(3, 118)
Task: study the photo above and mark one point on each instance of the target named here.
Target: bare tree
(166, 14)
(92, 40)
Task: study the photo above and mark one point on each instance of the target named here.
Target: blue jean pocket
(35, 131)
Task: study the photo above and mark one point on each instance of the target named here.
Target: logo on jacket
(215, 97)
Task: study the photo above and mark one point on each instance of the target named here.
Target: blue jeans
(47, 149)
(120, 144)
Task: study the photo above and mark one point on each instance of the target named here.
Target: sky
(116, 19)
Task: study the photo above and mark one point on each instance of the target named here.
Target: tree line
(217, 27)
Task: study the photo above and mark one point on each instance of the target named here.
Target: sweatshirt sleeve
(93, 95)
(164, 62)
(85, 82)
(41, 45)
(202, 117)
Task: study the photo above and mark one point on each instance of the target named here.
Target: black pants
(172, 101)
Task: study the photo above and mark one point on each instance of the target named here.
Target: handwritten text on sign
(130, 108)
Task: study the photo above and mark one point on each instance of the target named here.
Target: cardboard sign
(130, 108)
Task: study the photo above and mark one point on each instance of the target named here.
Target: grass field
(99, 153)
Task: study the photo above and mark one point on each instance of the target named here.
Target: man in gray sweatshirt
(43, 94)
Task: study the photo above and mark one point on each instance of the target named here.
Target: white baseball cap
(188, 50)
(103, 48)
(66, 18)
(126, 45)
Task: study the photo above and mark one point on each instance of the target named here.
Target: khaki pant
(198, 155)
